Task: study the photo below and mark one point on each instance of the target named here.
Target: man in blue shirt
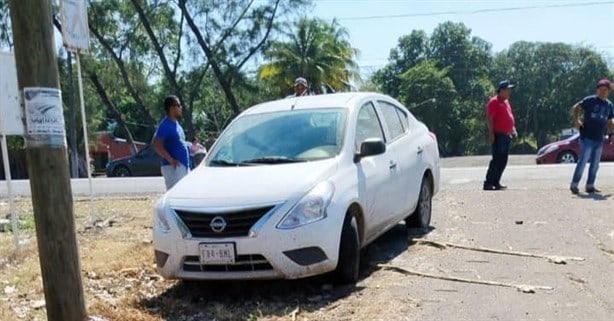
(598, 116)
(169, 144)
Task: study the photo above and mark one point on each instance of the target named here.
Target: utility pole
(47, 156)
(74, 153)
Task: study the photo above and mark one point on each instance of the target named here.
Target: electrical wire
(478, 11)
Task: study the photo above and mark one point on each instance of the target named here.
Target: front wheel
(348, 266)
(567, 157)
(421, 218)
(121, 171)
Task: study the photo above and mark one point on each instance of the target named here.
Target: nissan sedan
(296, 187)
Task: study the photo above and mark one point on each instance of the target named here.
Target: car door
(608, 150)
(374, 173)
(145, 163)
(404, 146)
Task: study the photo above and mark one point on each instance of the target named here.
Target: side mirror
(370, 147)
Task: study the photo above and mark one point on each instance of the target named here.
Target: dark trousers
(500, 153)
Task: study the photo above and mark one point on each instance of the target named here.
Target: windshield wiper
(272, 160)
(223, 162)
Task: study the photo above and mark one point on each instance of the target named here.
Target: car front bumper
(269, 253)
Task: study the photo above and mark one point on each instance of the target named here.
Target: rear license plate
(217, 253)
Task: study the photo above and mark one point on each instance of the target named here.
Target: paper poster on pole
(75, 29)
(11, 116)
(44, 113)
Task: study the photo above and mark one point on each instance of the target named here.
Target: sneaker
(591, 190)
(500, 187)
(574, 190)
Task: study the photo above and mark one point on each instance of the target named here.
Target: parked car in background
(567, 151)
(145, 163)
(296, 187)
(108, 147)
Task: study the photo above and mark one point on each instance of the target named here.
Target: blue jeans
(590, 150)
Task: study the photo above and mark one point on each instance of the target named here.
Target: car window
(147, 152)
(392, 119)
(368, 125)
(404, 118)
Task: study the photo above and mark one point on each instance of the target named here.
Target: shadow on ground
(246, 300)
(595, 196)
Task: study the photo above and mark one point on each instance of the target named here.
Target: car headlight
(161, 222)
(311, 208)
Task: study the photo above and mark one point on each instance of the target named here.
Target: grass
(121, 283)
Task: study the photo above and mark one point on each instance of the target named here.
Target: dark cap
(505, 84)
(604, 83)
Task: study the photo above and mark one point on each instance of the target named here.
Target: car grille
(243, 263)
(237, 223)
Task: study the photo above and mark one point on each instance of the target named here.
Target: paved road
(520, 176)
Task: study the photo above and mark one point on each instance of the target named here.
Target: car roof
(340, 100)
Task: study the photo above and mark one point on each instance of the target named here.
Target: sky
(375, 26)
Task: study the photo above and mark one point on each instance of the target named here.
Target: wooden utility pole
(47, 156)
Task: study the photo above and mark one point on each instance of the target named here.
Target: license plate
(217, 253)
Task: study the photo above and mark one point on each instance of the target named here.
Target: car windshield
(281, 137)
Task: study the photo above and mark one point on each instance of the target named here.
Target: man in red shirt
(501, 129)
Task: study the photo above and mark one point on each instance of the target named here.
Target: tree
(411, 50)
(465, 61)
(317, 50)
(423, 82)
(231, 33)
(551, 78)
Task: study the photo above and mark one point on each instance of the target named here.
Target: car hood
(249, 185)
(559, 143)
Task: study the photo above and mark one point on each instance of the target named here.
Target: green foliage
(460, 71)
(551, 78)
(318, 51)
(450, 66)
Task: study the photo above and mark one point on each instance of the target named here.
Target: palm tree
(318, 51)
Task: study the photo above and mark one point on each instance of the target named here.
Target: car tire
(348, 267)
(567, 157)
(421, 217)
(121, 171)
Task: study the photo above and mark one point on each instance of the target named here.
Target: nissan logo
(218, 224)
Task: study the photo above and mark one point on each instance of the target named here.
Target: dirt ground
(121, 283)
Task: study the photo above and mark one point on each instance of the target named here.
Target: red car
(567, 151)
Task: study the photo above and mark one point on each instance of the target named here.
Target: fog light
(161, 258)
(306, 256)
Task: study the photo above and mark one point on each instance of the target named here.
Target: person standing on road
(598, 115)
(501, 129)
(169, 144)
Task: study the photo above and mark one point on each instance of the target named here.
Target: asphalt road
(454, 174)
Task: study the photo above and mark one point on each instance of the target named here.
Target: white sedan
(296, 187)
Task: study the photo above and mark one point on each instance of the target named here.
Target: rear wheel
(421, 218)
(567, 157)
(121, 171)
(348, 266)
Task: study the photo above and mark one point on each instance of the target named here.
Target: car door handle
(420, 150)
(393, 165)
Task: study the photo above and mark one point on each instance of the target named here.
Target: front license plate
(217, 253)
